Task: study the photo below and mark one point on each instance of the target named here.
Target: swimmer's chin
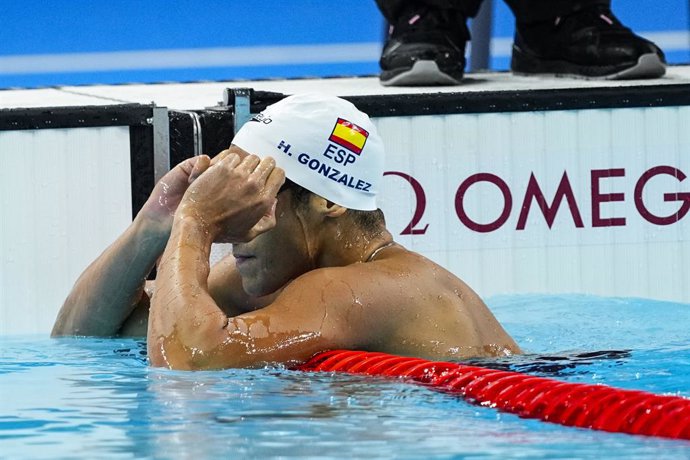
(255, 289)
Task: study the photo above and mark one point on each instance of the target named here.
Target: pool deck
(200, 95)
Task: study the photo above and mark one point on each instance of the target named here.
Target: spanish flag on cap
(349, 135)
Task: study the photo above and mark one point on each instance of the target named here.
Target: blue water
(96, 398)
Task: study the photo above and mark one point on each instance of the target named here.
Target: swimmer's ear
(326, 207)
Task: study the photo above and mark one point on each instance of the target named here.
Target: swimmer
(312, 268)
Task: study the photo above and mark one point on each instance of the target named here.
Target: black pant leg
(527, 11)
(391, 9)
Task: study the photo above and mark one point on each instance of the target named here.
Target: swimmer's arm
(225, 287)
(184, 320)
(188, 330)
(112, 287)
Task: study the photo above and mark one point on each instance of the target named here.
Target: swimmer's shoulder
(391, 275)
(399, 258)
(426, 277)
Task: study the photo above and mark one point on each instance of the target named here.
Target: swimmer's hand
(235, 198)
(168, 192)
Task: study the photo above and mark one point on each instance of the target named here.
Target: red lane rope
(598, 407)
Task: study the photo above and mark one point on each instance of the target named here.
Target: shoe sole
(422, 73)
(648, 66)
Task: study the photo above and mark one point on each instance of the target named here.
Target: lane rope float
(594, 406)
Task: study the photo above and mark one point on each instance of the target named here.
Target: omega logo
(564, 193)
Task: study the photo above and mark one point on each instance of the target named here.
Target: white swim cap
(324, 143)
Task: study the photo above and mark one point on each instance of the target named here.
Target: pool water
(96, 398)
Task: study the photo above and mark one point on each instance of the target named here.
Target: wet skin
(303, 279)
(305, 285)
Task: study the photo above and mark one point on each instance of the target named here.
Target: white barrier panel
(65, 195)
(581, 201)
(589, 201)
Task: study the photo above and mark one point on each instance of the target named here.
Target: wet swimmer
(312, 268)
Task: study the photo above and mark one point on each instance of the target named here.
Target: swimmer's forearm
(184, 320)
(110, 288)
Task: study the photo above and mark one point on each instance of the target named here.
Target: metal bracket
(240, 100)
(197, 138)
(161, 142)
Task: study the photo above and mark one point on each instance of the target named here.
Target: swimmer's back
(403, 303)
(438, 315)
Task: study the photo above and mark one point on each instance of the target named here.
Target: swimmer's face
(272, 259)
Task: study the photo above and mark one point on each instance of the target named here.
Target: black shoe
(590, 43)
(424, 48)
